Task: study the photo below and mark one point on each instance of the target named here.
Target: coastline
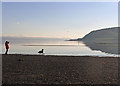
(54, 69)
(69, 55)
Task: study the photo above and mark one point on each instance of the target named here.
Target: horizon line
(34, 37)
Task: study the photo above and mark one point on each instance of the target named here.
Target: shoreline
(92, 56)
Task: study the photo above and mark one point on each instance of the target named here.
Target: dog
(41, 52)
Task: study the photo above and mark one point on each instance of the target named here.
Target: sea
(51, 46)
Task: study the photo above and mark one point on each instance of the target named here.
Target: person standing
(7, 46)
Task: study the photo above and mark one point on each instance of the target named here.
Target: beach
(53, 69)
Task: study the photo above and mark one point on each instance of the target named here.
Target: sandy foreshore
(48, 69)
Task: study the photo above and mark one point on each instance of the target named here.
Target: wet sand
(48, 69)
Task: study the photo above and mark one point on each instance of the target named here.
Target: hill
(108, 35)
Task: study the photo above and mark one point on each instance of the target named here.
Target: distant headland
(102, 35)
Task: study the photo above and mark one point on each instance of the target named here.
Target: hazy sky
(57, 19)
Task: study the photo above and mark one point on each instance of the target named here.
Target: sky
(57, 19)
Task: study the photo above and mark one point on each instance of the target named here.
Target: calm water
(51, 46)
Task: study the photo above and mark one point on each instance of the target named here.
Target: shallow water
(51, 46)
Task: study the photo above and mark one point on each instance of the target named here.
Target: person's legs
(6, 51)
